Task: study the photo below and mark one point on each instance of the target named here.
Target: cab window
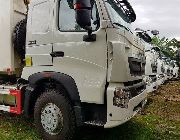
(67, 21)
(40, 24)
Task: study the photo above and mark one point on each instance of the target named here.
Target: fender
(63, 79)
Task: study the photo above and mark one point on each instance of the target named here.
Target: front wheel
(54, 116)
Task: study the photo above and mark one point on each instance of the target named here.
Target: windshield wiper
(122, 26)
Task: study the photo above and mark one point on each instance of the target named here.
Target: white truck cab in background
(151, 61)
(168, 69)
(160, 67)
(160, 72)
(151, 70)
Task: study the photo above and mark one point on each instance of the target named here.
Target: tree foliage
(170, 48)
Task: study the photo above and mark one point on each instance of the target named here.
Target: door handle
(32, 42)
(57, 54)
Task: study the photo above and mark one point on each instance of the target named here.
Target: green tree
(168, 47)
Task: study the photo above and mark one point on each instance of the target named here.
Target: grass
(160, 120)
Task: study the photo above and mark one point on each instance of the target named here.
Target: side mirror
(139, 30)
(145, 37)
(83, 11)
(155, 32)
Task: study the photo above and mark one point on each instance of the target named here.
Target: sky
(162, 15)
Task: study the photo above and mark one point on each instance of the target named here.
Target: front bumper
(152, 87)
(169, 77)
(117, 115)
(160, 81)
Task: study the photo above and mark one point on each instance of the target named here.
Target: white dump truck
(160, 66)
(70, 63)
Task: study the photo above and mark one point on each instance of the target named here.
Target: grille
(168, 72)
(171, 71)
(136, 66)
(162, 69)
(153, 77)
(131, 83)
(154, 68)
(136, 89)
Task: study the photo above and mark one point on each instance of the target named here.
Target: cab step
(8, 93)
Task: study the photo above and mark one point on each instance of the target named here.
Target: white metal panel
(40, 54)
(5, 34)
(39, 31)
(11, 12)
(5, 108)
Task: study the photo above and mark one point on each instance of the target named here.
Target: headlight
(121, 98)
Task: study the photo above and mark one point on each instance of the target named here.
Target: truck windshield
(121, 13)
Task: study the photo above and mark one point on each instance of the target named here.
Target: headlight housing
(121, 98)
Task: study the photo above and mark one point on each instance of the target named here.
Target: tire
(65, 129)
(19, 37)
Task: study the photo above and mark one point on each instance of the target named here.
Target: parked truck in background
(151, 70)
(176, 70)
(151, 61)
(160, 67)
(160, 72)
(168, 68)
(70, 63)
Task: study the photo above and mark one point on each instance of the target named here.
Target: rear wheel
(54, 116)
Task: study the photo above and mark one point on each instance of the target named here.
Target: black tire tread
(19, 37)
(49, 95)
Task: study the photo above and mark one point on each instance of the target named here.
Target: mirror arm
(90, 37)
(89, 31)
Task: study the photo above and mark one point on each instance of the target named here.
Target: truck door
(39, 32)
(85, 62)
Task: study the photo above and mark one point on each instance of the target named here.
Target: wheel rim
(52, 119)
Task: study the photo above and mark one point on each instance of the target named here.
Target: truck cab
(83, 65)
(160, 71)
(160, 67)
(151, 68)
